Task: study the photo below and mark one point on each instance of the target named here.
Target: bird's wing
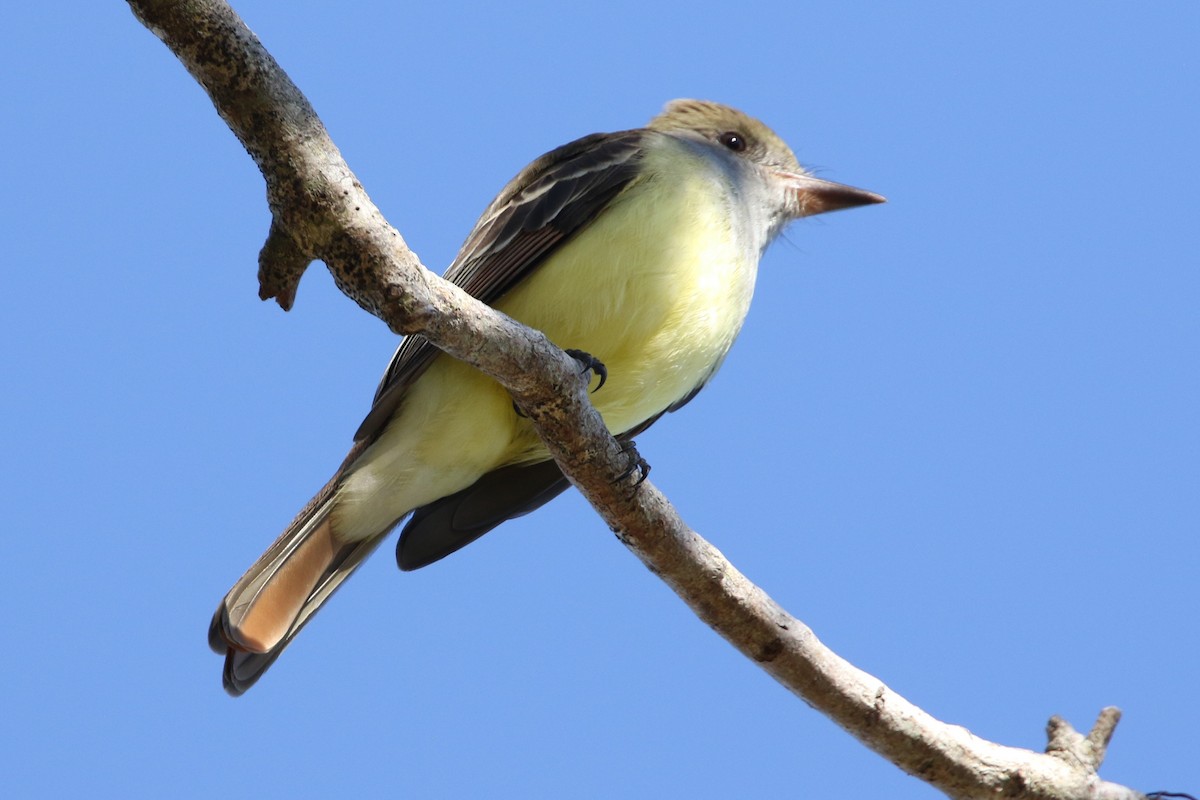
(550, 201)
(438, 529)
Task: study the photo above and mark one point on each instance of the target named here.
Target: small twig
(281, 264)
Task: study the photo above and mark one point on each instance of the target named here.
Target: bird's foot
(637, 464)
(590, 364)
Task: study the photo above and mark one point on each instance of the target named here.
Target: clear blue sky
(959, 436)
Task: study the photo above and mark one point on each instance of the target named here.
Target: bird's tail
(289, 583)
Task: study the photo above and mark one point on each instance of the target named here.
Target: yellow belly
(657, 289)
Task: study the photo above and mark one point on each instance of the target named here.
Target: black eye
(733, 140)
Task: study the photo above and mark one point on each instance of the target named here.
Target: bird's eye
(733, 140)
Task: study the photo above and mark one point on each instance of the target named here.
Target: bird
(637, 251)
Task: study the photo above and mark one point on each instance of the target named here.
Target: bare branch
(320, 211)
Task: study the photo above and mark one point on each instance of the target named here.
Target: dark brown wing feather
(444, 526)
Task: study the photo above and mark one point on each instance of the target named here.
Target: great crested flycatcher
(639, 247)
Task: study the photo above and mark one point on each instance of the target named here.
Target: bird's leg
(636, 464)
(590, 364)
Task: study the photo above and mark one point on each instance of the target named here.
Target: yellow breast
(657, 289)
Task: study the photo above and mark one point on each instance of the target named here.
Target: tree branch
(321, 211)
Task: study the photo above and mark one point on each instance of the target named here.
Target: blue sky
(958, 436)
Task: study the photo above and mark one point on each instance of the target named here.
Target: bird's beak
(808, 195)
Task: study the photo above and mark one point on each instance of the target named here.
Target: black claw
(636, 464)
(590, 362)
